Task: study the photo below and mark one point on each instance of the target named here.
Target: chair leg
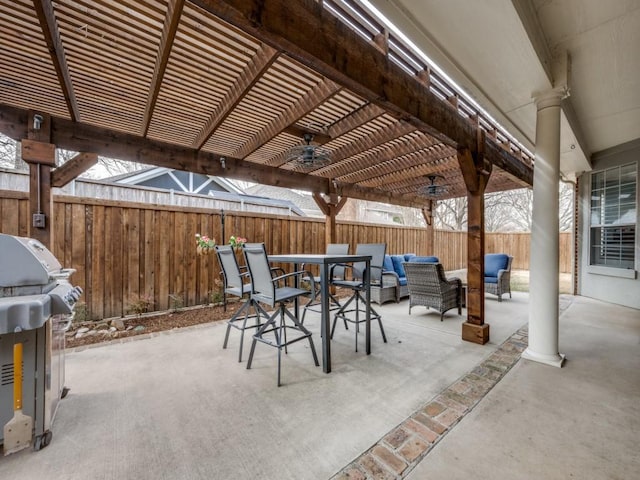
(279, 328)
(261, 330)
(279, 363)
(283, 327)
(246, 307)
(384, 337)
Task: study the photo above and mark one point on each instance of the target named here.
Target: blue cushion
(397, 265)
(490, 279)
(387, 264)
(408, 256)
(425, 259)
(494, 262)
(402, 281)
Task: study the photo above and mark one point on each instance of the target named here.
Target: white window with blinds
(613, 217)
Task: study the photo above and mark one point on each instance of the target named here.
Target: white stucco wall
(609, 284)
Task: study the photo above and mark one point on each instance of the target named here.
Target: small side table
(462, 275)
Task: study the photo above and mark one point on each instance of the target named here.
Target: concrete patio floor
(178, 406)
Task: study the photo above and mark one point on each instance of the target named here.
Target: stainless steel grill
(36, 309)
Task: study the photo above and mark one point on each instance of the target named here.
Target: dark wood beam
(13, 122)
(72, 168)
(468, 169)
(499, 157)
(312, 35)
(112, 143)
(34, 151)
(307, 103)
(321, 203)
(375, 195)
(171, 21)
(260, 63)
(49, 26)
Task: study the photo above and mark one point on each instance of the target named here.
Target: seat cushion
(402, 281)
(490, 279)
(425, 260)
(408, 256)
(493, 262)
(387, 264)
(397, 265)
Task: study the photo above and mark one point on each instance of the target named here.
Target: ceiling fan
(308, 155)
(432, 189)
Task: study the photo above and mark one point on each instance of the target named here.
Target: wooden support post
(40, 155)
(475, 172)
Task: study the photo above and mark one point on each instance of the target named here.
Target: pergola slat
(44, 9)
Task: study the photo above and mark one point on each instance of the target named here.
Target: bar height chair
(236, 283)
(273, 291)
(357, 284)
(336, 272)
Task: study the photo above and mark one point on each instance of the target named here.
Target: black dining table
(325, 261)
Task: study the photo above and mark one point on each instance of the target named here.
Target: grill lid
(26, 261)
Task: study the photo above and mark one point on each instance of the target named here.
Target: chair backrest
(493, 262)
(425, 277)
(377, 252)
(429, 259)
(255, 255)
(229, 265)
(338, 249)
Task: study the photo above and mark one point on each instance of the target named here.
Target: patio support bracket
(330, 207)
(427, 213)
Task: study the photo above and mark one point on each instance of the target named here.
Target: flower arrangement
(204, 244)
(237, 242)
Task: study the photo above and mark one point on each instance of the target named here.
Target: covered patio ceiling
(228, 87)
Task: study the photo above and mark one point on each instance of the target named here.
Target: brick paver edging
(398, 452)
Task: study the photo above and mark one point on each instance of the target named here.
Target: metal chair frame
(337, 273)
(377, 252)
(265, 290)
(235, 284)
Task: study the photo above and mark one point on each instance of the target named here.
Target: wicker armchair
(497, 274)
(387, 291)
(429, 287)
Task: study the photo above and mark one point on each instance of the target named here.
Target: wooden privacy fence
(127, 253)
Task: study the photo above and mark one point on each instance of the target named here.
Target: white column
(544, 263)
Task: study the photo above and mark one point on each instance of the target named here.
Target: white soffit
(603, 39)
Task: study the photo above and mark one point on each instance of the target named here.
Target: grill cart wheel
(43, 440)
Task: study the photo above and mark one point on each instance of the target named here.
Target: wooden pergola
(227, 88)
